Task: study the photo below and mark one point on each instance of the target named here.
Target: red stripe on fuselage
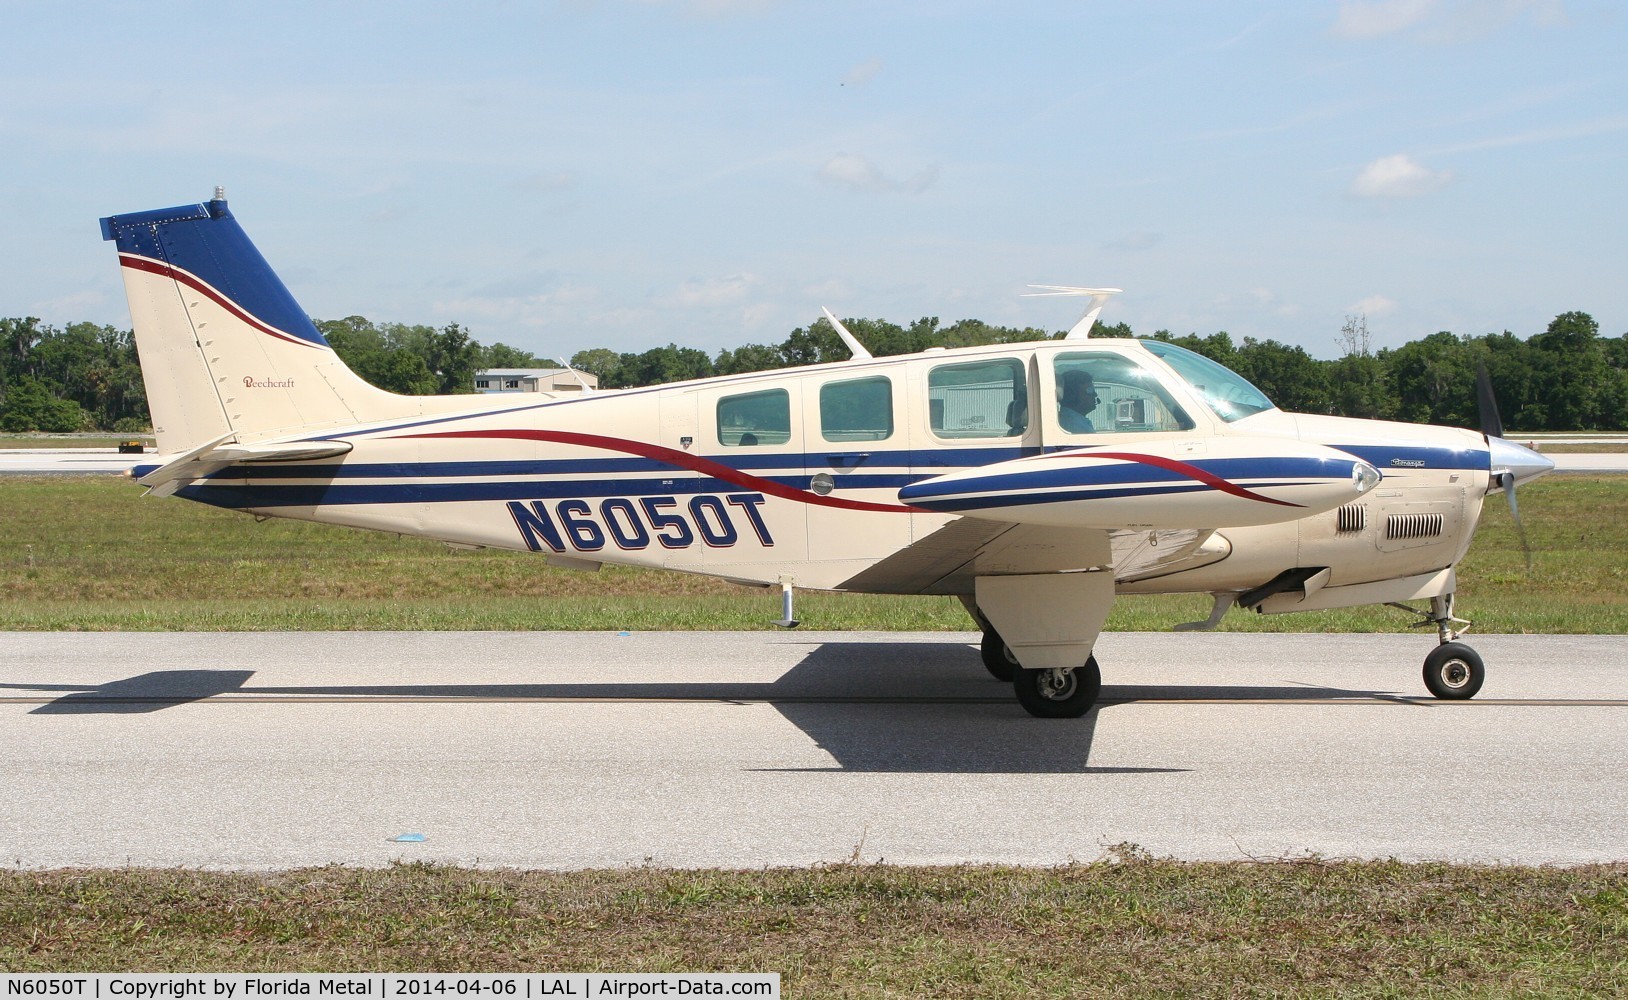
(680, 459)
(197, 284)
(1182, 468)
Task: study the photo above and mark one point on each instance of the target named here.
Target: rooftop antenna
(1098, 296)
(858, 349)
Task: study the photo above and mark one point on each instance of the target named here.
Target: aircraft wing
(948, 560)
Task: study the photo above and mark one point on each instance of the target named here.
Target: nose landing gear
(1453, 671)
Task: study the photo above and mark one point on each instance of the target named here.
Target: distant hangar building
(534, 380)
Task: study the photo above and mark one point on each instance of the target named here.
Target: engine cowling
(1221, 482)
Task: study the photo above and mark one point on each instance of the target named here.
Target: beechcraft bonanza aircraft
(1033, 481)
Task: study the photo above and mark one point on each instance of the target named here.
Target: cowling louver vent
(1413, 525)
(1352, 517)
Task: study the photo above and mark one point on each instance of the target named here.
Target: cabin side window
(754, 418)
(857, 410)
(984, 399)
(1098, 391)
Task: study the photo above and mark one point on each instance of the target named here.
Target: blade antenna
(858, 349)
(1098, 296)
(586, 388)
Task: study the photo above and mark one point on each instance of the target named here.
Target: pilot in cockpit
(1077, 397)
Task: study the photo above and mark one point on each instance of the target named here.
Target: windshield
(1226, 392)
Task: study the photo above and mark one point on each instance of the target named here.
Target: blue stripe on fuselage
(1396, 458)
(893, 469)
(1068, 477)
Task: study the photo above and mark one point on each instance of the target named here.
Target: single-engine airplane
(1035, 482)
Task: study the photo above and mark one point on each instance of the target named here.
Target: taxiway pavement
(567, 750)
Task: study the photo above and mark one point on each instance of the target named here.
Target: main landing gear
(1453, 670)
(1044, 694)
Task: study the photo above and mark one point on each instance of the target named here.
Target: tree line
(1568, 377)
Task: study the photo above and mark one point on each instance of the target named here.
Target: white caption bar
(385, 985)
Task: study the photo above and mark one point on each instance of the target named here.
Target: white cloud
(1458, 21)
(859, 174)
(713, 8)
(864, 73)
(1373, 305)
(856, 172)
(712, 292)
(1362, 19)
(497, 306)
(75, 304)
(1398, 176)
(829, 292)
(1248, 304)
(505, 311)
(1471, 19)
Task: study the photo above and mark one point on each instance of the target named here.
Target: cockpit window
(1101, 391)
(1226, 392)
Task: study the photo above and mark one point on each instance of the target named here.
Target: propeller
(1509, 462)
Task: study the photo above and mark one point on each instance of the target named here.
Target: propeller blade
(1507, 480)
(1506, 458)
(1492, 425)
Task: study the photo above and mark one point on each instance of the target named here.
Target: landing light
(1364, 477)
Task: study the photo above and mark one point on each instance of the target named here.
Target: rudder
(224, 347)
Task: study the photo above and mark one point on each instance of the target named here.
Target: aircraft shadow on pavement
(873, 706)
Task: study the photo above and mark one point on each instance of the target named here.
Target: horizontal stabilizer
(218, 454)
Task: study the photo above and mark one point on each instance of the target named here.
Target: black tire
(1454, 671)
(1045, 695)
(998, 659)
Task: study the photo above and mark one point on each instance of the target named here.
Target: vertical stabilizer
(225, 349)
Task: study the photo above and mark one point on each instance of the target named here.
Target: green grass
(96, 440)
(92, 553)
(1136, 927)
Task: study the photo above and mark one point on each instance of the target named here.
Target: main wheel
(998, 659)
(1454, 671)
(1059, 694)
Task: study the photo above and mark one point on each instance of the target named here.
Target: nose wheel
(1058, 694)
(1454, 671)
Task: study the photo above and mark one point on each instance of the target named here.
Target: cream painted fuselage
(651, 477)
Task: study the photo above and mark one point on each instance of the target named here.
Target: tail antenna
(1098, 297)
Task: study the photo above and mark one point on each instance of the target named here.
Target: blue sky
(711, 172)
